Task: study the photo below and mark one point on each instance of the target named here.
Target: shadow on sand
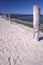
(41, 38)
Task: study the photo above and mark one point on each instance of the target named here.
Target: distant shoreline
(24, 17)
(29, 24)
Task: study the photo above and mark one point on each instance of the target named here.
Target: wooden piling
(36, 23)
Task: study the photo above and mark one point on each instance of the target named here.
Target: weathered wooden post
(36, 23)
(9, 16)
(2, 15)
(5, 16)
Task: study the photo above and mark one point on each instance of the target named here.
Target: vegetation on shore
(29, 24)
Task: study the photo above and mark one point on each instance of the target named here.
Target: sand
(17, 46)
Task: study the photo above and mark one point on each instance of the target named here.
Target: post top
(36, 6)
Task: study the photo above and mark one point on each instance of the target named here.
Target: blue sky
(20, 6)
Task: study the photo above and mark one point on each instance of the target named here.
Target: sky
(20, 6)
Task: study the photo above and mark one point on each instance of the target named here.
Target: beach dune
(17, 46)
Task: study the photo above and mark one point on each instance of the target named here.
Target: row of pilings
(36, 22)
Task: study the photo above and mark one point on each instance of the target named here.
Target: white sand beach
(17, 46)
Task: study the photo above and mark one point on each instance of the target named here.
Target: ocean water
(28, 18)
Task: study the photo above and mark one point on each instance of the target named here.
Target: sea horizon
(26, 17)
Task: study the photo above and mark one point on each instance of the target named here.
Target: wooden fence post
(36, 23)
